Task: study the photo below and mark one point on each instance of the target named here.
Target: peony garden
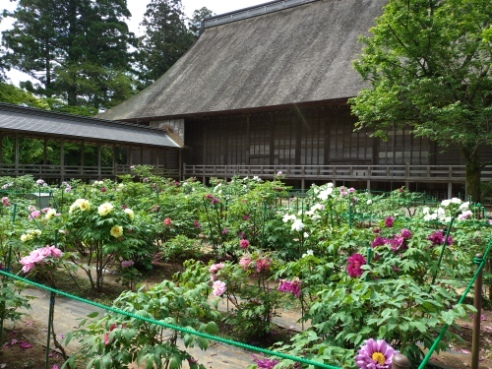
(368, 274)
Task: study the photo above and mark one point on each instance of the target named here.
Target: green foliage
(77, 50)
(180, 248)
(116, 341)
(14, 95)
(166, 39)
(428, 66)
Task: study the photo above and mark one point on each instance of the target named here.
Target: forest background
(85, 56)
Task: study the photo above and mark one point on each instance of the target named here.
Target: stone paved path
(68, 314)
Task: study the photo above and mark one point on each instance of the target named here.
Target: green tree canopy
(166, 38)
(427, 64)
(77, 49)
(195, 22)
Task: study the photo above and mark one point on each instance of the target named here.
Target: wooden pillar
(16, 154)
(99, 161)
(450, 190)
(1, 148)
(248, 139)
(113, 154)
(272, 139)
(368, 185)
(82, 158)
(45, 151)
(62, 161)
(141, 155)
(180, 164)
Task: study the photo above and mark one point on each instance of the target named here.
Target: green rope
(481, 262)
(171, 326)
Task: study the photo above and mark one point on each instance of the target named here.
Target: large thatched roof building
(300, 54)
(265, 89)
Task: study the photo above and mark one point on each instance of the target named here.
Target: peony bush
(369, 274)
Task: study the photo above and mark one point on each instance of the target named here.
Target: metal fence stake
(477, 302)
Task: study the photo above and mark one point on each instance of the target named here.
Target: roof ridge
(252, 11)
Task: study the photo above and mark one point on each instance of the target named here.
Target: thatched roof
(297, 55)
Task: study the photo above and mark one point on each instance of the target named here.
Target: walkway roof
(46, 123)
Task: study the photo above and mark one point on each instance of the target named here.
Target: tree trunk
(473, 175)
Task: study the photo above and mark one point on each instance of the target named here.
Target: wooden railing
(76, 171)
(416, 173)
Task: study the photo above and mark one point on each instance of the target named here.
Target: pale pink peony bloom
(218, 288)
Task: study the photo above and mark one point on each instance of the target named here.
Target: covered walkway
(61, 146)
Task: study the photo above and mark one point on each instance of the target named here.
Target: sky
(137, 8)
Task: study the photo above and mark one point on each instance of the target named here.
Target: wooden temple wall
(322, 136)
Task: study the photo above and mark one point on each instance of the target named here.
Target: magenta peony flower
(293, 286)
(244, 244)
(406, 234)
(167, 222)
(388, 222)
(379, 241)
(437, 238)
(218, 288)
(375, 355)
(5, 201)
(265, 363)
(354, 265)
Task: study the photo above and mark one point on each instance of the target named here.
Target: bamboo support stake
(477, 302)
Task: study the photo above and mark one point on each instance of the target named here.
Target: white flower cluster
(452, 206)
(324, 192)
(297, 224)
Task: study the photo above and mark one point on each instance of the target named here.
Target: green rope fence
(481, 264)
(171, 326)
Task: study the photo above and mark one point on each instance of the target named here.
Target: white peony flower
(298, 225)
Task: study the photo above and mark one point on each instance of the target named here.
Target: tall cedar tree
(195, 22)
(77, 49)
(427, 64)
(166, 38)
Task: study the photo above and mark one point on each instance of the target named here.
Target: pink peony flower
(34, 214)
(5, 201)
(244, 262)
(375, 355)
(225, 231)
(244, 244)
(196, 224)
(218, 288)
(263, 265)
(354, 265)
(127, 263)
(214, 268)
(167, 222)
